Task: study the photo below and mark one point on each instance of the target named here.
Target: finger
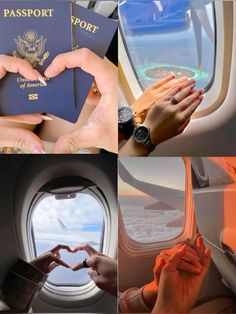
(193, 259)
(207, 257)
(17, 65)
(186, 266)
(103, 70)
(187, 83)
(85, 137)
(187, 101)
(175, 260)
(57, 254)
(87, 248)
(93, 275)
(206, 261)
(58, 261)
(190, 110)
(162, 82)
(52, 266)
(35, 118)
(190, 252)
(177, 89)
(185, 92)
(172, 92)
(200, 248)
(21, 139)
(171, 84)
(78, 266)
(89, 261)
(158, 268)
(61, 247)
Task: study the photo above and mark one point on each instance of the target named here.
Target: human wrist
(163, 308)
(149, 294)
(132, 148)
(154, 134)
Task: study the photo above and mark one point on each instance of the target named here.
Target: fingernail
(48, 70)
(46, 118)
(37, 150)
(42, 80)
(199, 266)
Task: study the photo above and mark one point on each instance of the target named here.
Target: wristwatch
(126, 121)
(141, 135)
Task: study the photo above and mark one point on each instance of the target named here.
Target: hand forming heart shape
(52, 258)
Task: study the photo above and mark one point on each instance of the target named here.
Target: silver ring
(173, 100)
(85, 263)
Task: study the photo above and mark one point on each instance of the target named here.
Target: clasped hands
(178, 277)
(100, 131)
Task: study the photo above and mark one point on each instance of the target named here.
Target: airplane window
(152, 197)
(73, 221)
(164, 37)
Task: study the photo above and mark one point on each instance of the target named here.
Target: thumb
(206, 261)
(93, 274)
(157, 269)
(34, 118)
(21, 139)
(85, 137)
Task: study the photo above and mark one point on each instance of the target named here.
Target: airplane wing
(200, 21)
(62, 225)
(171, 197)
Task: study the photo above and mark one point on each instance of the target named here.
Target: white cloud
(65, 219)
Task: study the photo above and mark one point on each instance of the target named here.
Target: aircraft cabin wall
(23, 178)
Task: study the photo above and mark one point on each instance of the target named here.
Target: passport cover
(95, 32)
(37, 31)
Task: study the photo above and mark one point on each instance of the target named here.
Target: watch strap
(127, 128)
(149, 145)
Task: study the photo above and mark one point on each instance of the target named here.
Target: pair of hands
(178, 277)
(100, 130)
(155, 110)
(102, 269)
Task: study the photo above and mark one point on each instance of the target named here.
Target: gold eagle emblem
(31, 47)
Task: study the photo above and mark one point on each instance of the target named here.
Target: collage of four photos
(118, 156)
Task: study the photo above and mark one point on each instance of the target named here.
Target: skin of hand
(51, 259)
(190, 264)
(179, 290)
(14, 136)
(102, 269)
(151, 95)
(166, 120)
(101, 128)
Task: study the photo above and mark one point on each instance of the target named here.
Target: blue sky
(78, 219)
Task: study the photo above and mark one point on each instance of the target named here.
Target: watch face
(125, 114)
(141, 134)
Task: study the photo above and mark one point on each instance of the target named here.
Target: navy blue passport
(37, 31)
(95, 32)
